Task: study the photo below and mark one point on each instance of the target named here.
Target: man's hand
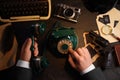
(26, 52)
(80, 59)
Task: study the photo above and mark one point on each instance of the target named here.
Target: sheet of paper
(116, 30)
(114, 15)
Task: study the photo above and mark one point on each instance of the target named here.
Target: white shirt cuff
(22, 63)
(90, 68)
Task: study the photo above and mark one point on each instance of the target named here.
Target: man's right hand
(80, 59)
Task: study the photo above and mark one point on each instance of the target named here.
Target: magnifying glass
(108, 30)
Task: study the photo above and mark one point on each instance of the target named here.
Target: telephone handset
(40, 62)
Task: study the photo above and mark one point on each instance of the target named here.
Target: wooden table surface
(58, 68)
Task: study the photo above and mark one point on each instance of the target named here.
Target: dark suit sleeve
(22, 73)
(16, 73)
(95, 74)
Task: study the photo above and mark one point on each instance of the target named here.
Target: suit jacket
(19, 73)
(16, 73)
(95, 74)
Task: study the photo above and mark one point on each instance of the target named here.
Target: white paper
(114, 14)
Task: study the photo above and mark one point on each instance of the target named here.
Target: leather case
(117, 51)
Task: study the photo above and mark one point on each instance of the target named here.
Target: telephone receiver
(40, 62)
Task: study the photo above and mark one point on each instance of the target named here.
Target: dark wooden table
(59, 68)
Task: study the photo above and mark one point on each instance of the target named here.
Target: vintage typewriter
(24, 10)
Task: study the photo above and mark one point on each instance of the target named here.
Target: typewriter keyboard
(25, 9)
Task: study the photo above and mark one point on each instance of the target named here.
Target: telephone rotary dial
(61, 38)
